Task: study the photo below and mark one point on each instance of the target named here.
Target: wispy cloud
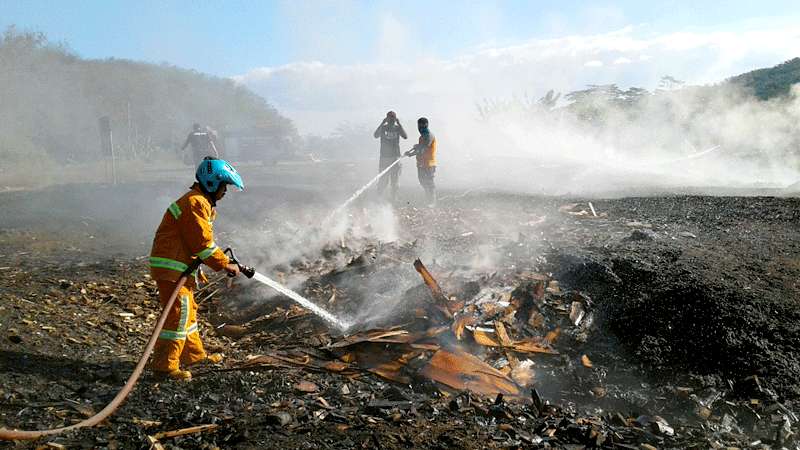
(320, 96)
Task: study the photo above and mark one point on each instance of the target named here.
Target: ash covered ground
(675, 320)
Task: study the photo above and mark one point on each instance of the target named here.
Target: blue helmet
(211, 172)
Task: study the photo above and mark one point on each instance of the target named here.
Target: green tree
(52, 99)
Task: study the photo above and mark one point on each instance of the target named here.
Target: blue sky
(233, 37)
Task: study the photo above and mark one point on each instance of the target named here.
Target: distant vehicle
(255, 144)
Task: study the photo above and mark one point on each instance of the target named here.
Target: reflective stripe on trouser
(179, 341)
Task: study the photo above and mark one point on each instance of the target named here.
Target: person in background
(202, 144)
(425, 151)
(390, 131)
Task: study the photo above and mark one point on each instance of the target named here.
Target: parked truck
(255, 144)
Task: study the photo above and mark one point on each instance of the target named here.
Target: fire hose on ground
(9, 435)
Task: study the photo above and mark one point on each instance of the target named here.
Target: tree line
(51, 100)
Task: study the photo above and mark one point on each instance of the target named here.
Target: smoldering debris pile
(440, 341)
(514, 350)
(557, 339)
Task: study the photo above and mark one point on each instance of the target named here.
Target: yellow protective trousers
(179, 341)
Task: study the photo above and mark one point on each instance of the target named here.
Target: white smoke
(514, 149)
(320, 96)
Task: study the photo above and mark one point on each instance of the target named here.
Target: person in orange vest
(425, 151)
(184, 235)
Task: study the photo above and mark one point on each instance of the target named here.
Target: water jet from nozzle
(302, 301)
(358, 193)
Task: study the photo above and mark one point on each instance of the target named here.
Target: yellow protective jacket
(186, 233)
(426, 155)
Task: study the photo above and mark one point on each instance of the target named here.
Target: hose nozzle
(247, 271)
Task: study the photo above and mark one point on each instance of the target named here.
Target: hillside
(52, 100)
(771, 82)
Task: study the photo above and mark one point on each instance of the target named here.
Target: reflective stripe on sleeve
(203, 254)
(175, 210)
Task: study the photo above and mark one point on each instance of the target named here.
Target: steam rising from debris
(289, 234)
(291, 238)
(691, 137)
(598, 142)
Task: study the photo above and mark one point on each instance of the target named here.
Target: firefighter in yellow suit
(185, 234)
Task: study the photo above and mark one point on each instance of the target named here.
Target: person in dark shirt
(390, 131)
(425, 151)
(202, 144)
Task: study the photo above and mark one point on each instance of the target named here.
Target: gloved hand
(411, 152)
(232, 269)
